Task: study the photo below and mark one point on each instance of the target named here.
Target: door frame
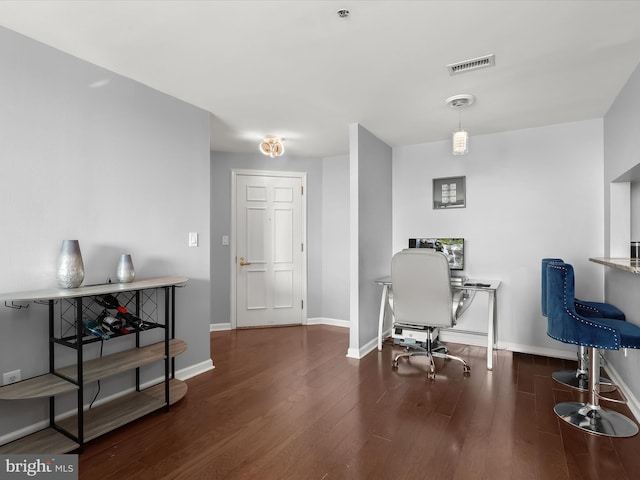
(235, 172)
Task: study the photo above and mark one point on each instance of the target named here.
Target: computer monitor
(453, 249)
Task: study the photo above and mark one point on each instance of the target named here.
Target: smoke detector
(472, 64)
(343, 13)
(460, 101)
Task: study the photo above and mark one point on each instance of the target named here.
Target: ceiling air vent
(472, 64)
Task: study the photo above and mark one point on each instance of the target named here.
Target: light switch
(193, 239)
(225, 240)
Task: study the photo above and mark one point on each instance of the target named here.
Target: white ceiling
(295, 69)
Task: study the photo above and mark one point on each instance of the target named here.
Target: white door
(269, 250)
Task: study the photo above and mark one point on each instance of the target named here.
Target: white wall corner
(354, 240)
(359, 353)
(620, 220)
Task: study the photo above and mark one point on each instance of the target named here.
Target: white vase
(125, 272)
(70, 272)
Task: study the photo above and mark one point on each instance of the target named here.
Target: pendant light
(460, 138)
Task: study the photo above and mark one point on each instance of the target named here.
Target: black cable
(98, 392)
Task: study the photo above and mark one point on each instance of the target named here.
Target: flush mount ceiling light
(460, 139)
(272, 146)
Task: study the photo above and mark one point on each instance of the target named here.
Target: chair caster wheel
(394, 364)
(432, 376)
(466, 370)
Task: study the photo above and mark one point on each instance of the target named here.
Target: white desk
(475, 285)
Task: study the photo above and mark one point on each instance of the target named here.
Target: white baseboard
(328, 321)
(219, 327)
(359, 353)
(542, 351)
(193, 370)
(353, 353)
(463, 338)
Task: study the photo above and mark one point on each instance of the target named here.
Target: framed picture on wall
(449, 192)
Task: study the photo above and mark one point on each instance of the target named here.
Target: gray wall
(222, 164)
(621, 147)
(335, 238)
(370, 234)
(89, 155)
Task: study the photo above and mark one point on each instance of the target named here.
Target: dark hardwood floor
(285, 403)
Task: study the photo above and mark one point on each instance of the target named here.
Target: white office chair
(423, 301)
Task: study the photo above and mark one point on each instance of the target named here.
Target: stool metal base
(572, 379)
(579, 378)
(596, 420)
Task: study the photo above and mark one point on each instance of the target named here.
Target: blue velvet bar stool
(578, 378)
(566, 325)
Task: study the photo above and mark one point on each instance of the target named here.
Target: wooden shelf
(45, 441)
(626, 264)
(126, 360)
(49, 385)
(125, 409)
(177, 390)
(98, 421)
(37, 387)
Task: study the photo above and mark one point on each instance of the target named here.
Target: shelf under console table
(141, 299)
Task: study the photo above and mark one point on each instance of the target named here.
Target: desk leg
(491, 329)
(383, 304)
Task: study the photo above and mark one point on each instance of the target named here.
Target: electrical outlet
(11, 377)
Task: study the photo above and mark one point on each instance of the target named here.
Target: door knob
(243, 263)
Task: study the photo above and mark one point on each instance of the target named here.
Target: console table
(143, 301)
(490, 287)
